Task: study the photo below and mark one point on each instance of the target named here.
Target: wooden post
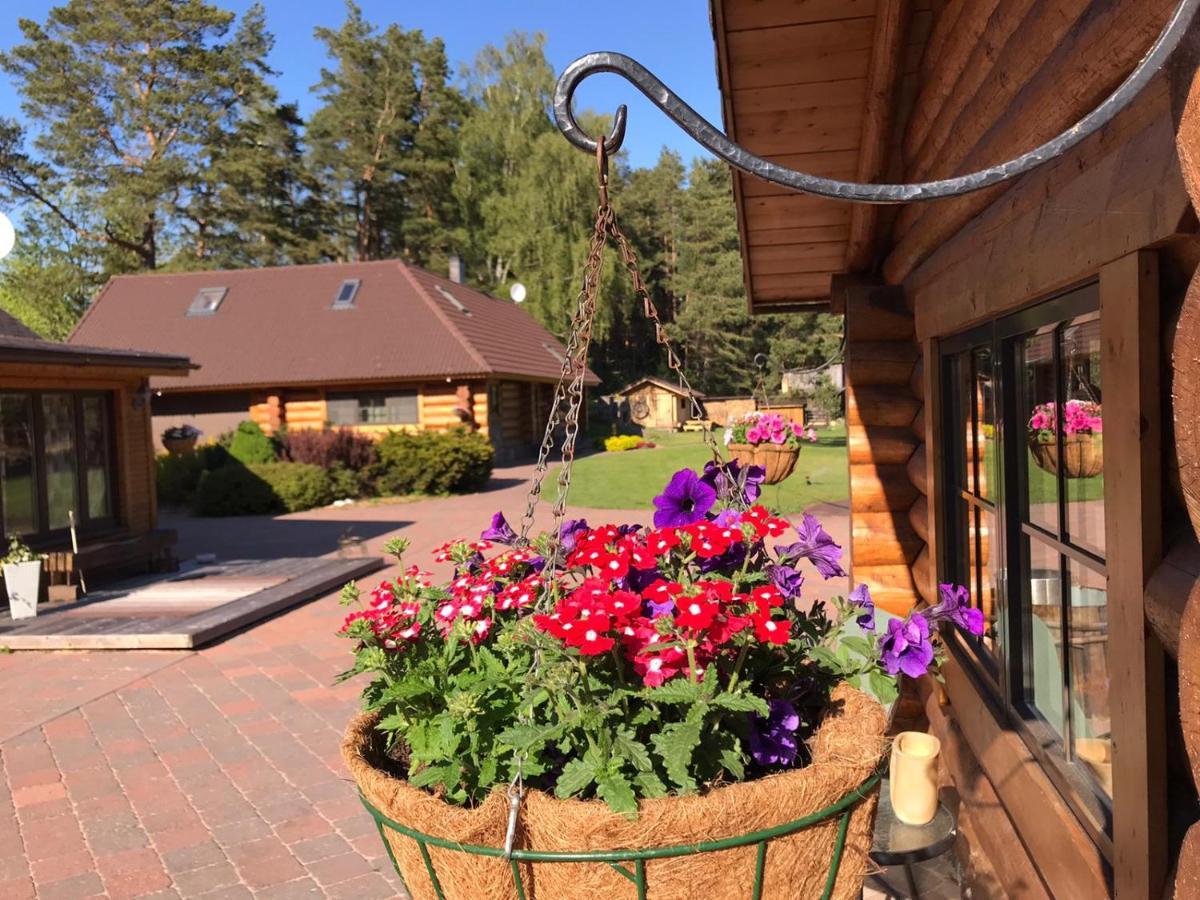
(1129, 321)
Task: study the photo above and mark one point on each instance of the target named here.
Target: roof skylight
(454, 301)
(344, 298)
(206, 301)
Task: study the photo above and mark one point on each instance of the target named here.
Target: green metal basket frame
(621, 859)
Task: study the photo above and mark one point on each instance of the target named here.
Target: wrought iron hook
(715, 141)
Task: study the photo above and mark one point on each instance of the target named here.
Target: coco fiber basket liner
(846, 750)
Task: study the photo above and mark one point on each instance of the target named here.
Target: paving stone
(87, 884)
(209, 878)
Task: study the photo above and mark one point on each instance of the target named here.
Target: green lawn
(630, 480)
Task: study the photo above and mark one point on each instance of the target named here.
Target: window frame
(1001, 680)
(85, 523)
(360, 396)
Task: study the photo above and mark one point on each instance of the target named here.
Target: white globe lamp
(8, 236)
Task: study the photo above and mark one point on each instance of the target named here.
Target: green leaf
(677, 690)
(576, 777)
(650, 785)
(526, 737)
(675, 745)
(742, 703)
(617, 792)
(859, 645)
(884, 687)
(446, 774)
(824, 658)
(633, 750)
(487, 772)
(731, 759)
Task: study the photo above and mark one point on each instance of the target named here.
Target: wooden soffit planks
(801, 82)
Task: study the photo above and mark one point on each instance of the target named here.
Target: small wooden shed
(653, 403)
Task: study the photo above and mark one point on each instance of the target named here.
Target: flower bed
(653, 665)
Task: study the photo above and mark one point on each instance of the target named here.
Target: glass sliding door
(18, 465)
(97, 456)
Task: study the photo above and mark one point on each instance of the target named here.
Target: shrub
(621, 442)
(344, 482)
(177, 476)
(236, 490)
(339, 446)
(250, 445)
(456, 461)
(298, 486)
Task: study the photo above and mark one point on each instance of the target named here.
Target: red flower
(766, 598)
(622, 605)
(659, 667)
(591, 637)
(725, 626)
(696, 612)
(662, 540)
(641, 557)
(718, 590)
(481, 630)
(519, 595)
(774, 631)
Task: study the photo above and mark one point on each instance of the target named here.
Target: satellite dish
(517, 292)
(8, 236)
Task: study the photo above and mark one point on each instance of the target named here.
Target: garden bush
(427, 462)
(236, 490)
(178, 476)
(621, 442)
(338, 446)
(250, 445)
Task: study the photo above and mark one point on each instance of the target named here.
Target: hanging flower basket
(612, 711)
(802, 833)
(777, 461)
(180, 439)
(1082, 438)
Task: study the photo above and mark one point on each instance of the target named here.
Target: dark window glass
(1040, 421)
(397, 408)
(58, 437)
(18, 469)
(97, 465)
(1083, 433)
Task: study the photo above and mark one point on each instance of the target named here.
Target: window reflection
(95, 456)
(984, 402)
(1044, 674)
(1088, 630)
(1039, 412)
(18, 473)
(1083, 433)
(58, 428)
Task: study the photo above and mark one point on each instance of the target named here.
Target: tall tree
(128, 97)
(384, 140)
(48, 281)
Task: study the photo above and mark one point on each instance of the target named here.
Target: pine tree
(129, 98)
(384, 140)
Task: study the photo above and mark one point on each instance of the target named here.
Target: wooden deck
(184, 610)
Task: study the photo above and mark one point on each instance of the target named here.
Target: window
(206, 301)
(1022, 500)
(379, 408)
(344, 299)
(452, 300)
(56, 459)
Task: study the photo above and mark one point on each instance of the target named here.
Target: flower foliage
(1079, 417)
(625, 662)
(768, 428)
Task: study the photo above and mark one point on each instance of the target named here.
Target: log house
(1075, 763)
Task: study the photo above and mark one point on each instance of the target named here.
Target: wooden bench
(696, 425)
(121, 554)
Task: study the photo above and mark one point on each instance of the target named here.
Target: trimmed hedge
(452, 462)
(250, 445)
(621, 442)
(236, 490)
(178, 476)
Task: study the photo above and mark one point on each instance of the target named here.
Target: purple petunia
(725, 479)
(787, 580)
(684, 500)
(906, 646)
(956, 607)
(500, 531)
(773, 742)
(860, 598)
(816, 544)
(568, 533)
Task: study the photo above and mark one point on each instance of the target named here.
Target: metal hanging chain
(713, 139)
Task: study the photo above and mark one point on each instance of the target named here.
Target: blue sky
(671, 37)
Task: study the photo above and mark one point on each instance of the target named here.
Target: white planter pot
(23, 582)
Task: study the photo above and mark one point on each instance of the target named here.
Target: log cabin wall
(1100, 213)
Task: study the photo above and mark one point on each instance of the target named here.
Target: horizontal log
(917, 426)
(880, 405)
(1174, 584)
(918, 517)
(880, 489)
(883, 539)
(877, 314)
(918, 474)
(923, 577)
(880, 362)
(891, 587)
(879, 444)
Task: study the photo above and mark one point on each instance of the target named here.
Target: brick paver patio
(213, 773)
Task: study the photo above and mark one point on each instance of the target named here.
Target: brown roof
(277, 327)
(20, 344)
(658, 382)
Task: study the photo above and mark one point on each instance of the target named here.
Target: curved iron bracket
(715, 141)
